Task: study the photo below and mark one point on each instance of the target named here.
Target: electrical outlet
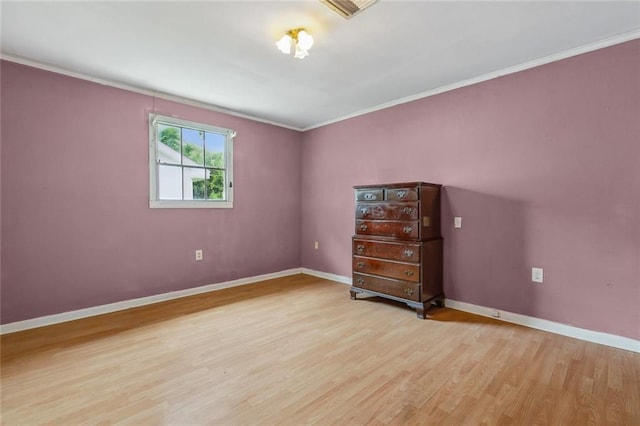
(315, 245)
(495, 313)
(198, 254)
(457, 222)
(536, 275)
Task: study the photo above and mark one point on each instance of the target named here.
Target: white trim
(190, 204)
(148, 92)
(607, 339)
(128, 304)
(524, 320)
(229, 136)
(550, 326)
(327, 276)
(601, 44)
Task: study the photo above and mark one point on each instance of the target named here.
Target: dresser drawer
(387, 268)
(387, 228)
(370, 195)
(401, 194)
(392, 251)
(388, 211)
(397, 288)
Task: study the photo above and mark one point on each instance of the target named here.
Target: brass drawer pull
(407, 210)
(360, 264)
(407, 229)
(360, 248)
(360, 280)
(364, 211)
(363, 227)
(401, 193)
(408, 253)
(408, 291)
(408, 273)
(369, 196)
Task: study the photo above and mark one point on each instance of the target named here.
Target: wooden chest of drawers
(397, 247)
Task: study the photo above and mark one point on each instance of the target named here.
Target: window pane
(189, 162)
(194, 184)
(168, 144)
(192, 147)
(169, 182)
(214, 150)
(215, 184)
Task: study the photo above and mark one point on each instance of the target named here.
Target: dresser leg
(420, 312)
(353, 294)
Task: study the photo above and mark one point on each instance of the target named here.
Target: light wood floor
(297, 351)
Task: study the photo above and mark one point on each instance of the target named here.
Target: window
(191, 164)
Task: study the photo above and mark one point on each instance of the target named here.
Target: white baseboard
(327, 276)
(550, 326)
(133, 303)
(527, 321)
(524, 320)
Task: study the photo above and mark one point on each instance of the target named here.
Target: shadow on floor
(436, 313)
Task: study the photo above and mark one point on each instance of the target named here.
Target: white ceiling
(222, 53)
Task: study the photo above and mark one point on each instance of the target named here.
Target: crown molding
(600, 44)
(597, 45)
(152, 93)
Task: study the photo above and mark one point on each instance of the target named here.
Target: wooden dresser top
(398, 185)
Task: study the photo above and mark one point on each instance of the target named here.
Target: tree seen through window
(203, 149)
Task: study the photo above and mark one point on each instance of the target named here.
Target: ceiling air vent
(348, 8)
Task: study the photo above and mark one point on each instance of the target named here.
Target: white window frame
(154, 201)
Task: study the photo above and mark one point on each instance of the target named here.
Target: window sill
(168, 204)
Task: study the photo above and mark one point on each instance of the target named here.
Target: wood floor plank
(297, 350)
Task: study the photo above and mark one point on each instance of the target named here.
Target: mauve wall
(542, 165)
(76, 227)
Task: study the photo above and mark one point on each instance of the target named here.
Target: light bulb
(305, 41)
(300, 53)
(284, 44)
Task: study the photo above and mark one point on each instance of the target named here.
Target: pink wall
(76, 227)
(542, 165)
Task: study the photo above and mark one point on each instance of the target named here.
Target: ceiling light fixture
(298, 39)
